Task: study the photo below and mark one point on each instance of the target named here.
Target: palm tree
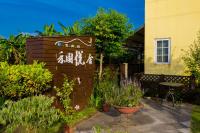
(75, 29)
(48, 30)
(65, 29)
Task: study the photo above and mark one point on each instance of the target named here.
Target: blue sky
(30, 15)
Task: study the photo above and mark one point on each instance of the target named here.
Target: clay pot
(128, 110)
(68, 129)
(106, 107)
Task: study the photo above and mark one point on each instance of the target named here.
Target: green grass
(195, 125)
(99, 129)
(76, 117)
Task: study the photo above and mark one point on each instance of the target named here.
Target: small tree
(192, 58)
(110, 28)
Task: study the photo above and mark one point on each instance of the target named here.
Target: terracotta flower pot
(128, 110)
(106, 107)
(68, 129)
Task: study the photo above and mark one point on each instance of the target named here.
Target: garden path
(153, 118)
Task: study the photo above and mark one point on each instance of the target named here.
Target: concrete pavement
(153, 118)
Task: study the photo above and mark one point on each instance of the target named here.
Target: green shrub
(12, 49)
(2, 100)
(71, 116)
(32, 113)
(18, 81)
(102, 88)
(95, 101)
(195, 122)
(192, 58)
(64, 94)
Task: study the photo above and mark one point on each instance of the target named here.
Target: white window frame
(169, 50)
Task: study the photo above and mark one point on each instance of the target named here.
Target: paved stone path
(153, 118)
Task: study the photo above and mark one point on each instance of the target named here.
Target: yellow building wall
(178, 20)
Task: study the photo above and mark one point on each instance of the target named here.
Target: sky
(30, 15)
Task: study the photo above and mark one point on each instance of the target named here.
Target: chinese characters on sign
(76, 59)
(67, 55)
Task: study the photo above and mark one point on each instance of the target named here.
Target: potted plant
(126, 99)
(108, 98)
(106, 107)
(108, 81)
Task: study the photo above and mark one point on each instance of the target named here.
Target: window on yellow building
(162, 51)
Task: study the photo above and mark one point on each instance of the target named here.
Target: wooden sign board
(70, 56)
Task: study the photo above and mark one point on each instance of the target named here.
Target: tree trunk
(101, 66)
